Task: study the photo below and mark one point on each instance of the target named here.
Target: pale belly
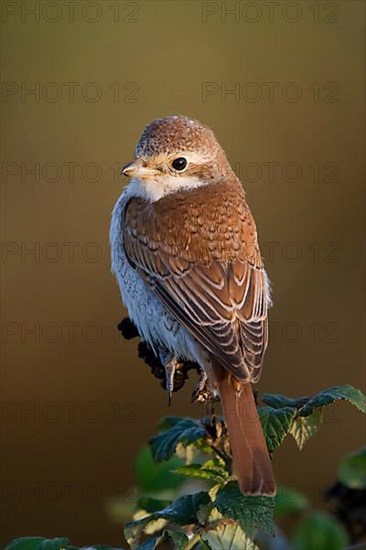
(155, 324)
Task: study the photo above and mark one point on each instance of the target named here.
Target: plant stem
(222, 455)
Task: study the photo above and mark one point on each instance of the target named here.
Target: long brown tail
(251, 461)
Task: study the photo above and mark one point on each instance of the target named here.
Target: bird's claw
(202, 392)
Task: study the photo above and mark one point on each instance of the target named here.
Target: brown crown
(176, 133)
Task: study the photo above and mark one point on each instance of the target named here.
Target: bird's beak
(137, 169)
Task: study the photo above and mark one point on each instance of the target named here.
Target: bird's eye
(179, 164)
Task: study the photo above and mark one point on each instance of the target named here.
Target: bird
(185, 252)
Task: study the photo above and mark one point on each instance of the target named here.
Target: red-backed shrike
(186, 257)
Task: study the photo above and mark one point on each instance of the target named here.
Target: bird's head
(175, 154)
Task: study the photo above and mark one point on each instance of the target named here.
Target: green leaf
(228, 537)
(276, 424)
(320, 531)
(184, 431)
(222, 533)
(352, 470)
(278, 401)
(152, 477)
(170, 421)
(38, 543)
(149, 544)
(327, 397)
(204, 511)
(305, 411)
(181, 512)
(211, 470)
(304, 427)
(151, 505)
(179, 539)
(306, 405)
(289, 501)
(248, 510)
(134, 529)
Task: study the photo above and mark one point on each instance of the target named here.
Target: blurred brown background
(77, 403)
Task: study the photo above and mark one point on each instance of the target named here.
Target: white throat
(156, 188)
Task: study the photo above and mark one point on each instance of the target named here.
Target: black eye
(179, 164)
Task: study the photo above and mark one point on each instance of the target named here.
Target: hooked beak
(137, 169)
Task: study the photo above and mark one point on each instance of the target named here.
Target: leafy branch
(218, 516)
(280, 416)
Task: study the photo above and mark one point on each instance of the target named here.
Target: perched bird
(185, 253)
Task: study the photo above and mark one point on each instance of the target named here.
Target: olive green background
(95, 403)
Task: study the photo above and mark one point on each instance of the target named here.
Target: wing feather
(218, 293)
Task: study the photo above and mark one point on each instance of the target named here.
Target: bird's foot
(202, 392)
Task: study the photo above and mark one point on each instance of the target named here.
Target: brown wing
(201, 258)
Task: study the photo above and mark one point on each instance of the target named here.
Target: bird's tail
(251, 462)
